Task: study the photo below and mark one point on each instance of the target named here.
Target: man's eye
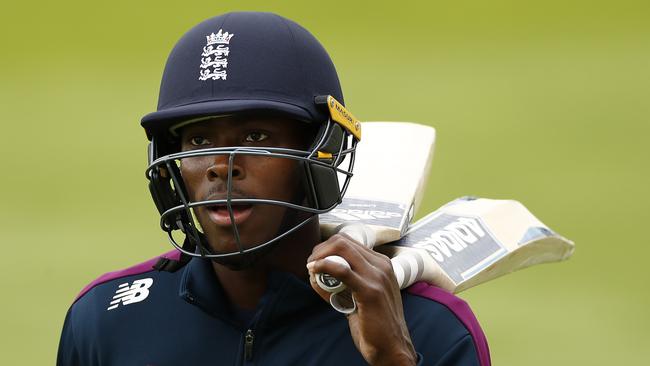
(199, 141)
(256, 137)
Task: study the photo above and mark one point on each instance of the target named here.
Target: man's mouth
(221, 217)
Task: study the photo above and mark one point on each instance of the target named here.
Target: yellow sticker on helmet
(325, 155)
(340, 115)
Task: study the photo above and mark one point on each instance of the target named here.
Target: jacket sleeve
(67, 354)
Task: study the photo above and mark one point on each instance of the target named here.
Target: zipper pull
(248, 345)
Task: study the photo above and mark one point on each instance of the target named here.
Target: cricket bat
(465, 243)
(473, 240)
(390, 171)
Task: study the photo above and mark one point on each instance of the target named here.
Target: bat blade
(470, 241)
(390, 171)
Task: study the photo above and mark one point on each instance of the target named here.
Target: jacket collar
(286, 295)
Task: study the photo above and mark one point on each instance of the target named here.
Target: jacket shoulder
(140, 268)
(103, 313)
(434, 313)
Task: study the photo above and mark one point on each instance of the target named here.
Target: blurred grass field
(546, 102)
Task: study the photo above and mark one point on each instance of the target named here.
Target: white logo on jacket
(214, 61)
(126, 294)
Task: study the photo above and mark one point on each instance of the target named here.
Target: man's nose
(219, 169)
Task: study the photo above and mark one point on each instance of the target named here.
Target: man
(247, 147)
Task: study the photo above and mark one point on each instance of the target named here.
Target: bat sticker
(387, 214)
(460, 245)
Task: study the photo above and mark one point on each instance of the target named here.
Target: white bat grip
(408, 268)
(342, 300)
(361, 233)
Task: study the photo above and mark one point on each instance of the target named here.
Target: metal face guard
(178, 214)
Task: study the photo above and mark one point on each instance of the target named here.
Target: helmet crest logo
(214, 60)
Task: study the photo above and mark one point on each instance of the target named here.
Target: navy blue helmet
(248, 64)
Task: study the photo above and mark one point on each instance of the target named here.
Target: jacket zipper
(248, 345)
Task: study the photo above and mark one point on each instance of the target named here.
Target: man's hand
(378, 327)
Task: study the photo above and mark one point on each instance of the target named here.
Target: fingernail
(310, 265)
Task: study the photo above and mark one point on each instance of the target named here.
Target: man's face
(252, 177)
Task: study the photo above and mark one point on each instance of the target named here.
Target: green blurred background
(542, 101)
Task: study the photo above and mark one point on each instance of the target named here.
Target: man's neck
(246, 287)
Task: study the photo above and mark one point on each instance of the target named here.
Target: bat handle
(341, 298)
(408, 268)
(358, 232)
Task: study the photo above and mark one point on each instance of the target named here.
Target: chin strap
(171, 265)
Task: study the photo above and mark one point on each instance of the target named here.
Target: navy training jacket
(145, 317)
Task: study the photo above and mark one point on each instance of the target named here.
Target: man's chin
(241, 261)
(221, 245)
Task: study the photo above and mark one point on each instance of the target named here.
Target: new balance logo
(126, 294)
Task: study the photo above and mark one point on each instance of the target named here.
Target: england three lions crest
(214, 59)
